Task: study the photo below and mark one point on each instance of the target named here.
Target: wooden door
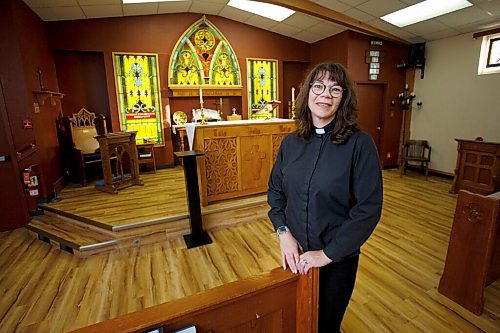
(13, 207)
(370, 104)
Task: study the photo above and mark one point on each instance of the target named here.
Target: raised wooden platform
(87, 221)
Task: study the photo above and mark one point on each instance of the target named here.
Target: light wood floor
(43, 289)
(163, 197)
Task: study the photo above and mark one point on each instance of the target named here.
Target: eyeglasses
(318, 88)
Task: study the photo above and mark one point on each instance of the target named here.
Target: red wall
(24, 50)
(394, 80)
(82, 75)
(159, 34)
(349, 48)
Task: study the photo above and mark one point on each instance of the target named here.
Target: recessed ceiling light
(143, 1)
(423, 11)
(273, 12)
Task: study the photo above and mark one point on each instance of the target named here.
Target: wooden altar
(239, 156)
(122, 146)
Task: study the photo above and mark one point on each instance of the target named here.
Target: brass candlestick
(202, 114)
(293, 110)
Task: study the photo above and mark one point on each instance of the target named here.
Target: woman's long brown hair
(345, 119)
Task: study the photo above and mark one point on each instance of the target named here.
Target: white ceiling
(483, 15)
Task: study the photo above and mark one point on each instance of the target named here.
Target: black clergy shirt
(329, 195)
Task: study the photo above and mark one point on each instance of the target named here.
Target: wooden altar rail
(277, 301)
(473, 259)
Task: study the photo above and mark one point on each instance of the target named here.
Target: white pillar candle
(168, 114)
(293, 94)
(201, 96)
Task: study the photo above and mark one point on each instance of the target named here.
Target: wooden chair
(80, 135)
(417, 151)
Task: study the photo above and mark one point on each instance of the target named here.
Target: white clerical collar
(319, 130)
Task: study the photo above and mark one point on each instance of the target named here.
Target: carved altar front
(238, 157)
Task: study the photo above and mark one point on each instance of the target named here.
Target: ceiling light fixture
(273, 12)
(423, 11)
(145, 1)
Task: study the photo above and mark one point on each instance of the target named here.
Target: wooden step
(71, 235)
(85, 237)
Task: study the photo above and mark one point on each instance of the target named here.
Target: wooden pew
(277, 301)
(473, 259)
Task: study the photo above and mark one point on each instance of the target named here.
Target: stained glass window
(202, 56)
(262, 87)
(137, 85)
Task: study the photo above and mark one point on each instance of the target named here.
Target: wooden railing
(277, 301)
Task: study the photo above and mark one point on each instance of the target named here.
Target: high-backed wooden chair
(416, 151)
(81, 132)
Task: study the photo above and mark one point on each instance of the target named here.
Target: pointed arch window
(203, 57)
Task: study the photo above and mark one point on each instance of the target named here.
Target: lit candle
(201, 96)
(293, 94)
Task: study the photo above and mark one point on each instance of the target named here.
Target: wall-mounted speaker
(416, 56)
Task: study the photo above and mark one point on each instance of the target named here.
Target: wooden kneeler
(473, 259)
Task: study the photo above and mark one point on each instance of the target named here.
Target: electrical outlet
(36, 107)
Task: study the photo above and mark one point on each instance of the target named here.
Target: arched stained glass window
(137, 87)
(203, 57)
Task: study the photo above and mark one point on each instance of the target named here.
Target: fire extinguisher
(30, 180)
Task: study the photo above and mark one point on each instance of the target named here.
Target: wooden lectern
(123, 146)
(473, 259)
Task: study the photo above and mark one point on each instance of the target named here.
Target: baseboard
(432, 172)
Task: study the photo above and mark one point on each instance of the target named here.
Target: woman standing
(325, 189)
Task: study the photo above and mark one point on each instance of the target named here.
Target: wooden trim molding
(314, 9)
(486, 32)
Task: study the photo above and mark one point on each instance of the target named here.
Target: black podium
(198, 236)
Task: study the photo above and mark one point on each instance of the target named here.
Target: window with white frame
(489, 60)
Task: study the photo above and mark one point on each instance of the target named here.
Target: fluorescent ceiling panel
(273, 12)
(144, 1)
(423, 11)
